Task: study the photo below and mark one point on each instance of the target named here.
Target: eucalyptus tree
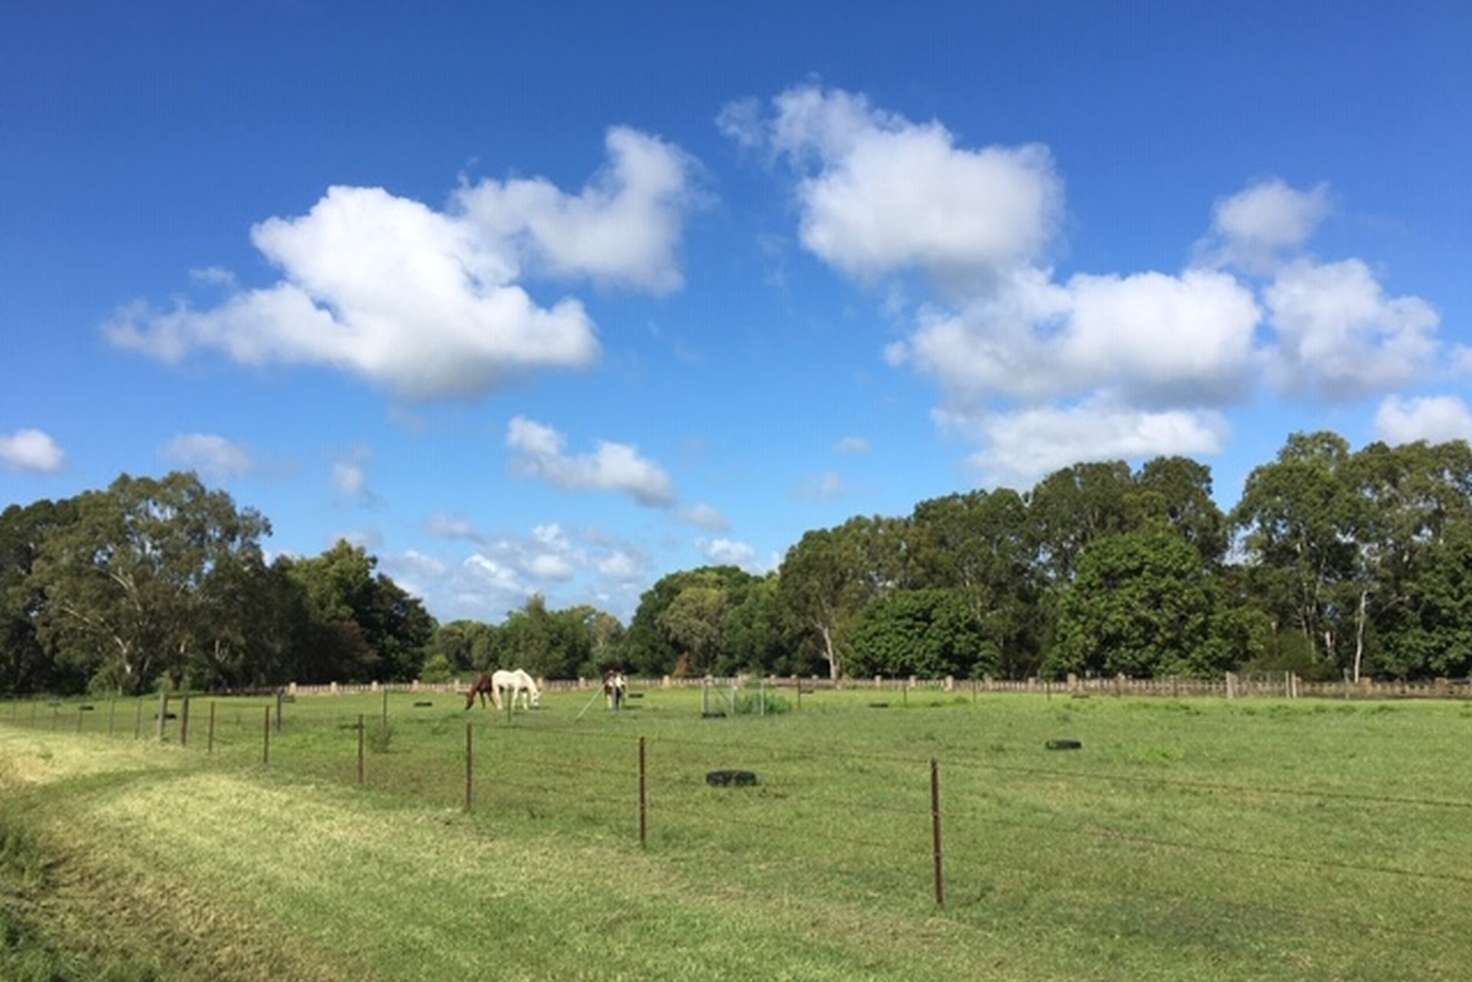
(977, 543)
(25, 663)
(1300, 516)
(122, 584)
(830, 574)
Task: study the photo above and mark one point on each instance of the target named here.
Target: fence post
(138, 719)
(210, 743)
(940, 888)
(385, 704)
(111, 706)
(163, 712)
(799, 695)
(184, 722)
(266, 737)
(469, 763)
(643, 799)
(360, 750)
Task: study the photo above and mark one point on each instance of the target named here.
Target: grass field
(1253, 839)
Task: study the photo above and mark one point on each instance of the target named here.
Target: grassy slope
(231, 871)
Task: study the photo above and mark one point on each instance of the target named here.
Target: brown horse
(484, 686)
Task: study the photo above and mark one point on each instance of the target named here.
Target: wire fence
(954, 827)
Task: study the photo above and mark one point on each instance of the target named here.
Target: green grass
(1252, 839)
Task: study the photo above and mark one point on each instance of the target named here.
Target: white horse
(520, 684)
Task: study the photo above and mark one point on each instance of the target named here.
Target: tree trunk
(1359, 634)
(828, 651)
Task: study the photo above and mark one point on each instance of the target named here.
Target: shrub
(750, 703)
(379, 736)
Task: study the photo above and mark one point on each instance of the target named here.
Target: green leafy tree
(1177, 492)
(1431, 630)
(921, 632)
(363, 625)
(978, 543)
(830, 574)
(1141, 604)
(647, 648)
(1072, 507)
(1299, 515)
(122, 584)
(25, 663)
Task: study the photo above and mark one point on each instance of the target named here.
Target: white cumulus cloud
(1149, 337)
(1254, 227)
(1020, 446)
(31, 450)
(610, 467)
(879, 193)
(429, 303)
(1435, 419)
(1340, 336)
(622, 228)
(208, 453)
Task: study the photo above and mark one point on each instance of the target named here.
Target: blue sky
(562, 299)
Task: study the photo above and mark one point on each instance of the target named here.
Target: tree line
(1332, 562)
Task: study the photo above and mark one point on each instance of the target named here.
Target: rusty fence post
(643, 798)
(210, 742)
(360, 749)
(940, 887)
(469, 764)
(266, 738)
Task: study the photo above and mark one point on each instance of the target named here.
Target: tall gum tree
(123, 582)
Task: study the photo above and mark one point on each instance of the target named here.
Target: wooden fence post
(210, 744)
(111, 706)
(138, 719)
(280, 697)
(360, 750)
(643, 799)
(469, 764)
(266, 737)
(940, 888)
(163, 712)
(385, 704)
(184, 721)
